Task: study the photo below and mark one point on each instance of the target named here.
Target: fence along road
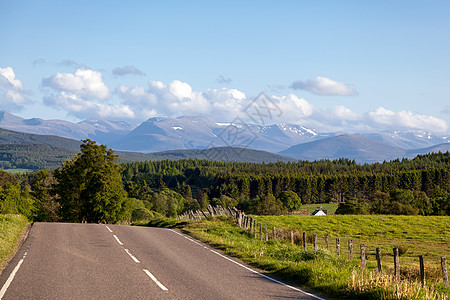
(92, 261)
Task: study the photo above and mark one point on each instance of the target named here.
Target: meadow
(338, 277)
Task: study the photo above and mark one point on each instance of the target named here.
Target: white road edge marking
(132, 256)
(109, 229)
(155, 280)
(251, 270)
(117, 239)
(11, 277)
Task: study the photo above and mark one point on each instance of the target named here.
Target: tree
(268, 205)
(353, 206)
(290, 200)
(45, 206)
(89, 187)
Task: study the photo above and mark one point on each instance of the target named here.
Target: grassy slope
(11, 229)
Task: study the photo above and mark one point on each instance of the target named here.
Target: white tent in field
(319, 212)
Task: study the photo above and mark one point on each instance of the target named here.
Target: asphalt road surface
(92, 261)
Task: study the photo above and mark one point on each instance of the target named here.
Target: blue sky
(331, 65)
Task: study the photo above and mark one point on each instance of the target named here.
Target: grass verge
(11, 229)
(322, 270)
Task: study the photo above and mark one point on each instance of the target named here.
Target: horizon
(348, 66)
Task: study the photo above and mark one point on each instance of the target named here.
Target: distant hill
(101, 131)
(32, 151)
(13, 137)
(186, 132)
(225, 154)
(433, 149)
(193, 132)
(351, 146)
(357, 147)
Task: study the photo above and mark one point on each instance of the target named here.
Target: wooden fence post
(363, 256)
(315, 242)
(396, 263)
(379, 259)
(422, 270)
(260, 231)
(444, 270)
(326, 242)
(338, 246)
(273, 233)
(265, 233)
(251, 225)
(254, 227)
(282, 234)
(304, 240)
(350, 250)
(292, 237)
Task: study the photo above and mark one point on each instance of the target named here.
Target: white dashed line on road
(155, 280)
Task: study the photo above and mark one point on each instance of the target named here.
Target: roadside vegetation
(11, 229)
(338, 277)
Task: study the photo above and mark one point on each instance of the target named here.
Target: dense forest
(417, 186)
(420, 186)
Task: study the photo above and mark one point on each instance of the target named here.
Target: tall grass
(373, 285)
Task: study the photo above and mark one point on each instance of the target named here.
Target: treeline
(92, 188)
(417, 186)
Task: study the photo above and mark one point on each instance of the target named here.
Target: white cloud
(83, 94)
(85, 83)
(85, 109)
(178, 98)
(11, 91)
(8, 79)
(325, 87)
(226, 103)
(292, 108)
(345, 113)
(406, 119)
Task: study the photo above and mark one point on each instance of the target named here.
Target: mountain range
(199, 133)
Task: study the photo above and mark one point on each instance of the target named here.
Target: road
(93, 261)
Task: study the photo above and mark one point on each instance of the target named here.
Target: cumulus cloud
(85, 83)
(83, 94)
(292, 108)
(127, 70)
(323, 86)
(12, 94)
(406, 119)
(85, 109)
(178, 98)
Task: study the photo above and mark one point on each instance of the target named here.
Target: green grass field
(18, 171)
(323, 270)
(11, 229)
(417, 235)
